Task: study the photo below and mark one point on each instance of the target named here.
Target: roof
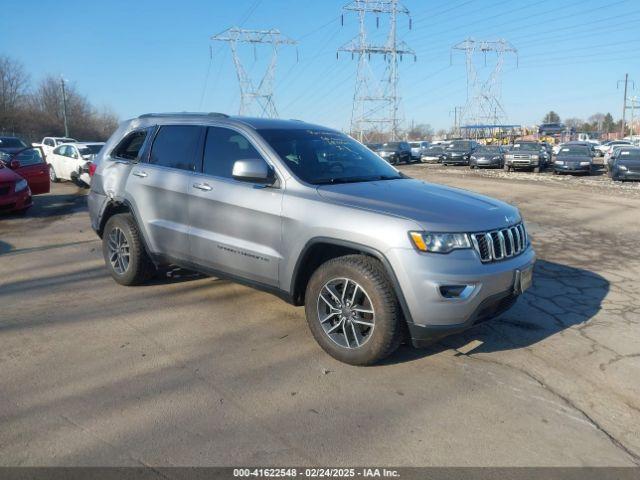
(214, 117)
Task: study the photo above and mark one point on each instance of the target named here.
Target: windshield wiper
(333, 181)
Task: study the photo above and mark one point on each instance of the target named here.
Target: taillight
(92, 169)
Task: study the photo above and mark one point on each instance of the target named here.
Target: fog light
(456, 291)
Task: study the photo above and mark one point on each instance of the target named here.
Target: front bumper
(572, 168)
(421, 277)
(488, 163)
(16, 201)
(625, 174)
(456, 160)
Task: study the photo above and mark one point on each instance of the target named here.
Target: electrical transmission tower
(376, 102)
(250, 91)
(484, 96)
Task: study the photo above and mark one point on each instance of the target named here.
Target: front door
(235, 226)
(159, 187)
(34, 170)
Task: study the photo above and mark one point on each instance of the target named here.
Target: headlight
(622, 167)
(559, 162)
(21, 185)
(584, 164)
(439, 242)
(474, 158)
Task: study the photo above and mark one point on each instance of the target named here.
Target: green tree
(608, 125)
(551, 117)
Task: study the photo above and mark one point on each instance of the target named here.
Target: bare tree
(14, 87)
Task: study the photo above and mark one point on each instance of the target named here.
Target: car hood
(433, 207)
(8, 175)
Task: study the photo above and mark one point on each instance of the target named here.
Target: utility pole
(624, 101)
(64, 107)
(262, 94)
(484, 102)
(456, 118)
(376, 102)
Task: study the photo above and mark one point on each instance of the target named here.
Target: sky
(145, 56)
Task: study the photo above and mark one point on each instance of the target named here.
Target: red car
(22, 174)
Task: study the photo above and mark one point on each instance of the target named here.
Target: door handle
(140, 173)
(203, 186)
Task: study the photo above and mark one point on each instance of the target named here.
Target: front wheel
(123, 250)
(352, 310)
(52, 175)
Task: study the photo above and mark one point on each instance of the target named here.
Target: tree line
(33, 111)
(598, 122)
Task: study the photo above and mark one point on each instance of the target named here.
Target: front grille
(500, 244)
(524, 156)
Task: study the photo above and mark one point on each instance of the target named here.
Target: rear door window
(177, 146)
(130, 147)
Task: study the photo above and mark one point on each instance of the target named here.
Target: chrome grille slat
(500, 244)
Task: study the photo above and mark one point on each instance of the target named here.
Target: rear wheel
(352, 310)
(52, 174)
(123, 250)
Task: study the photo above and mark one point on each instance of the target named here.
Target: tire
(52, 175)
(374, 293)
(138, 267)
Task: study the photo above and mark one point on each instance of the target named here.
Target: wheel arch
(320, 249)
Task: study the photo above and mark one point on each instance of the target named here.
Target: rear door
(159, 187)
(34, 170)
(56, 158)
(235, 226)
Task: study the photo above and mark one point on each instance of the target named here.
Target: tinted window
(223, 148)
(58, 150)
(10, 142)
(28, 157)
(177, 146)
(130, 147)
(322, 156)
(48, 142)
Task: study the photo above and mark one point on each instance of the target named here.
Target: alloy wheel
(118, 247)
(345, 313)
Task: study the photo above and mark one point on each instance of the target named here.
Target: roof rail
(178, 114)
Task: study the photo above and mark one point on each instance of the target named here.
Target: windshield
(322, 157)
(391, 146)
(460, 145)
(11, 143)
(630, 155)
(490, 148)
(578, 150)
(435, 150)
(526, 146)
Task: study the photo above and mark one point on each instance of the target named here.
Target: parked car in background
(626, 165)
(459, 152)
(72, 161)
(523, 155)
(369, 252)
(29, 163)
(611, 151)
(605, 147)
(374, 147)
(574, 158)
(11, 144)
(433, 154)
(49, 143)
(395, 152)
(551, 128)
(418, 148)
(487, 156)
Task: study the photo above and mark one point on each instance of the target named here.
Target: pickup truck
(49, 143)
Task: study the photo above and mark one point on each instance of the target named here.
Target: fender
(359, 247)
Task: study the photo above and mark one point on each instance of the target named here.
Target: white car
(606, 147)
(49, 143)
(71, 161)
(556, 148)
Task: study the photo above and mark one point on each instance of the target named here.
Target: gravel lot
(198, 371)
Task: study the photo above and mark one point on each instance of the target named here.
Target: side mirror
(14, 164)
(254, 170)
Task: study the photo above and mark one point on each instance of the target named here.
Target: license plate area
(523, 280)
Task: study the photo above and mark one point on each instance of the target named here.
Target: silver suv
(311, 215)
